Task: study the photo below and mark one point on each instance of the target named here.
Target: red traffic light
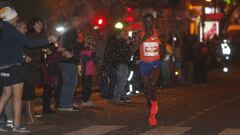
(100, 21)
(129, 9)
(129, 19)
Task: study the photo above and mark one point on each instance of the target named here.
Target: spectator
(68, 66)
(202, 63)
(109, 75)
(122, 60)
(51, 75)
(32, 70)
(86, 56)
(11, 58)
(189, 57)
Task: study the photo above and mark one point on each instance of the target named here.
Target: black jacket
(69, 41)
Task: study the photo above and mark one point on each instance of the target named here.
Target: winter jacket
(86, 56)
(71, 43)
(12, 43)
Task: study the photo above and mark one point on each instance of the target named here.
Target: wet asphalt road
(187, 110)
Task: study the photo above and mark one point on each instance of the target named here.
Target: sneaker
(4, 128)
(153, 113)
(87, 104)
(38, 115)
(9, 124)
(124, 100)
(71, 109)
(127, 100)
(61, 109)
(76, 105)
(20, 129)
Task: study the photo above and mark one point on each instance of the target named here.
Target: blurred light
(190, 7)
(228, 1)
(56, 44)
(119, 25)
(129, 9)
(154, 14)
(225, 49)
(60, 29)
(128, 93)
(130, 33)
(137, 92)
(129, 19)
(96, 27)
(208, 0)
(132, 57)
(227, 58)
(174, 38)
(176, 73)
(100, 21)
(225, 69)
(130, 76)
(209, 10)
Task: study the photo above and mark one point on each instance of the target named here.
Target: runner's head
(148, 20)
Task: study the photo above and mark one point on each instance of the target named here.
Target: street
(187, 110)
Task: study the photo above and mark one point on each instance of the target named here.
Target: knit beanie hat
(8, 13)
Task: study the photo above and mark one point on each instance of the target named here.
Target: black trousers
(47, 95)
(200, 73)
(87, 82)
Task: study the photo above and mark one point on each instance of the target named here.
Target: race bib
(151, 48)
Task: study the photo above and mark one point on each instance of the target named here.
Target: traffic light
(100, 22)
(119, 25)
(129, 9)
(129, 19)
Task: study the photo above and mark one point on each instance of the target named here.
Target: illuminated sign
(211, 28)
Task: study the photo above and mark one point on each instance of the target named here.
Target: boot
(30, 112)
(153, 113)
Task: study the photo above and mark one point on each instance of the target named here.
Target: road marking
(167, 131)
(193, 117)
(95, 130)
(200, 113)
(206, 110)
(229, 131)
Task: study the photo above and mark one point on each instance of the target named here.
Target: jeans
(87, 87)
(69, 84)
(122, 76)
